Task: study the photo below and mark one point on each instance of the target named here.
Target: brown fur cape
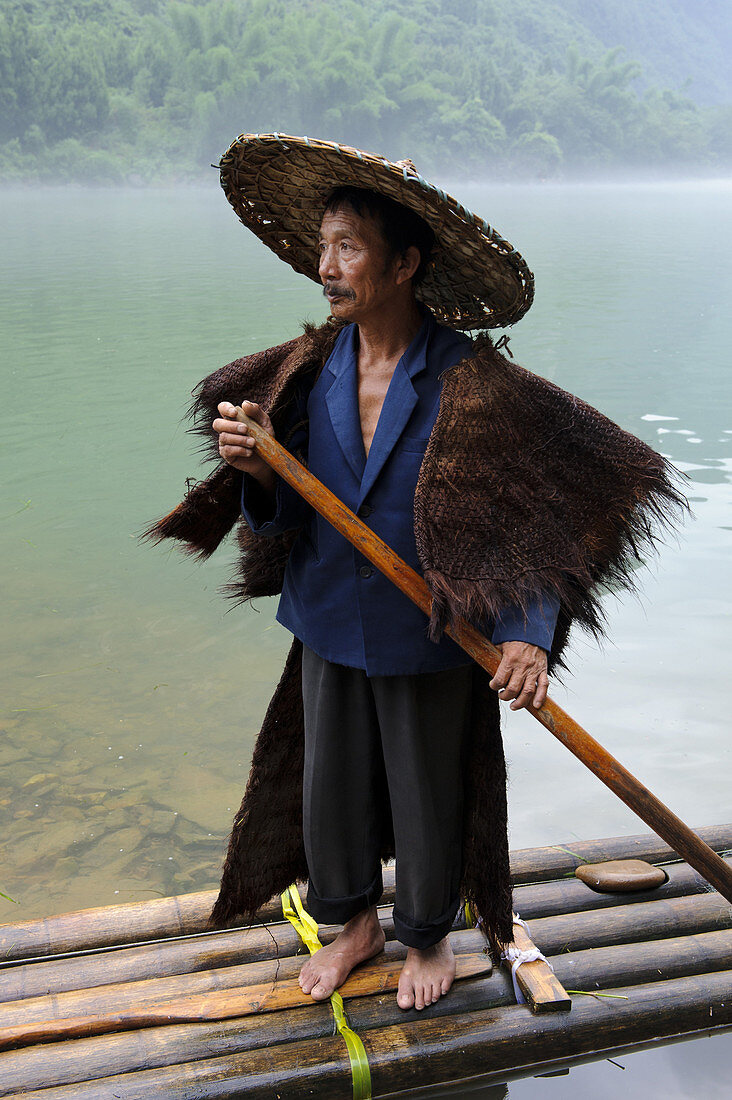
(524, 489)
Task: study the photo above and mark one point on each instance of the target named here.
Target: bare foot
(362, 938)
(426, 975)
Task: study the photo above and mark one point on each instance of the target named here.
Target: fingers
(503, 674)
(228, 420)
(256, 413)
(542, 689)
(527, 694)
(522, 675)
(243, 444)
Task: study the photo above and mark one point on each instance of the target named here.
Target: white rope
(516, 958)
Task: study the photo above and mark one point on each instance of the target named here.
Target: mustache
(332, 289)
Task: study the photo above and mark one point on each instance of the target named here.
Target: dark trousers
(374, 746)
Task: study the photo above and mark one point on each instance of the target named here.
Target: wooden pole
(579, 742)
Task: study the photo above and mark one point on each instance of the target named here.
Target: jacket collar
(401, 398)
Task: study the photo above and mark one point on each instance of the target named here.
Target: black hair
(401, 228)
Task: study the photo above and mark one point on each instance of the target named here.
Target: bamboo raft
(190, 1013)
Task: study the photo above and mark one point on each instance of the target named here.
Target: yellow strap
(303, 923)
(307, 930)
(470, 921)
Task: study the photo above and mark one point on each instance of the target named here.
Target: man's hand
(521, 675)
(238, 448)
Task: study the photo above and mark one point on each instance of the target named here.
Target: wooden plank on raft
(592, 971)
(263, 958)
(108, 999)
(187, 914)
(492, 1044)
(370, 979)
(535, 977)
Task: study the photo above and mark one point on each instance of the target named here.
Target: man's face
(356, 268)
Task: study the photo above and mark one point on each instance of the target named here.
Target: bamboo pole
(637, 923)
(256, 948)
(530, 865)
(546, 899)
(579, 742)
(597, 969)
(187, 914)
(577, 931)
(187, 956)
(105, 925)
(494, 1043)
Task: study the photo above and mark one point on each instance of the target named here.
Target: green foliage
(145, 88)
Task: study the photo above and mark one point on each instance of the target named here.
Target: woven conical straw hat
(278, 186)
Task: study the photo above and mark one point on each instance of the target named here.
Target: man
(369, 283)
(515, 501)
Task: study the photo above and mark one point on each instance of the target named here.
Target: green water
(131, 694)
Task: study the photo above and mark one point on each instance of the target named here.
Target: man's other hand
(521, 675)
(238, 448)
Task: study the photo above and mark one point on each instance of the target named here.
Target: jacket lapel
(342, 403)
(398, 406)
(399, 403)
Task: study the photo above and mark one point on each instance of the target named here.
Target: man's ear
(407, 264)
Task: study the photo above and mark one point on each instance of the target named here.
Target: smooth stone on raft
(620, 876)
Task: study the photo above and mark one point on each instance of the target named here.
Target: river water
(132, 692)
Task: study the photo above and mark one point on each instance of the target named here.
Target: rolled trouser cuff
(415, 934)
(341, 910)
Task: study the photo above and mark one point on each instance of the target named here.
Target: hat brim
(278, 186)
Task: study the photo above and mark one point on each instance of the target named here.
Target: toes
(307, 980)
(320, 992)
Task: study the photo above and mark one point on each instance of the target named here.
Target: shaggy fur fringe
(526, 491)
(212, 507)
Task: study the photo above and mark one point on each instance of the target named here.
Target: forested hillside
(113, 90)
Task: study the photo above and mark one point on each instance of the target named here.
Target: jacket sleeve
(535, 625)
(270, 515)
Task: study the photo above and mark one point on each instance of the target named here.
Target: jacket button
(365, 511)
(365, 570)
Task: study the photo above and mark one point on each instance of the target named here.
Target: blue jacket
(332, 599)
